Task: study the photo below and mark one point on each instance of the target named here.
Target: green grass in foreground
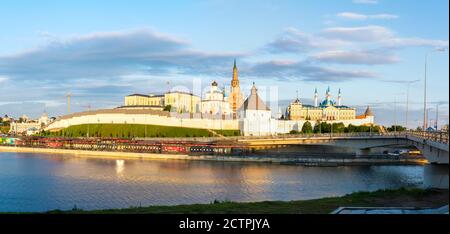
(135, 130)
(399, 197)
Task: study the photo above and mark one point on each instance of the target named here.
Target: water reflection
(120, 167)
(30, 182)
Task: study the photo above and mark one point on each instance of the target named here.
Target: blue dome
(326, 103)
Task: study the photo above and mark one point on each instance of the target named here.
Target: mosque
(328, 109)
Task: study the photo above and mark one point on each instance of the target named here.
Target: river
(41, 182)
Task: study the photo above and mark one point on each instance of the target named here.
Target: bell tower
(236, 98)
(235, 80)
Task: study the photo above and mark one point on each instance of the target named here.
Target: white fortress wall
(120, 118)
(273, 126)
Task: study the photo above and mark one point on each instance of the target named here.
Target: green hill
(135, 130)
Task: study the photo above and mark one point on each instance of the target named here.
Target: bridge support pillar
(436, 176)
(362, 152)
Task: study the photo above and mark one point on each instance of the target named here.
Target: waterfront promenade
(336, 160)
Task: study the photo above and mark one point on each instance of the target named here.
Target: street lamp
(407, 101)
(425, 86)
(437, 116)
(395, 115)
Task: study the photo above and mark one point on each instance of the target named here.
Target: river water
(40, 182)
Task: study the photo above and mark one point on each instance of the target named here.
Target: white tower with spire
(339, 101)
(328, 95)
(256, 117)
(316, 98)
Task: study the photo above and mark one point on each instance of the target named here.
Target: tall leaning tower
(235, 98)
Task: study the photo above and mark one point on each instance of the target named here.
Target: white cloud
(306, 71)
(365, 1)
(3, 79)
(414, 42)
(107, 54)
(380, 36)
(356, 57)
(294, 40)
(369, 33)
(357, 16)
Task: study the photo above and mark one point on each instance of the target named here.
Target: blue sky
(103, 50)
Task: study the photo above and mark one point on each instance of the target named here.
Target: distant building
(141, 101)
(6, 118)
(144, 100)
(178, 101)
(215, 101)
(22, 128)
(325, 111)
(32, 131)
(30, 127)
(182, 102)
(367, 115)
(255, 118)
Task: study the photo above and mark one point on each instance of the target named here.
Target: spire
(316, 101)
(339, 98)
(368, 112)
(235, 80)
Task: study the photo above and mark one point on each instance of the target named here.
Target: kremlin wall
(218, 110)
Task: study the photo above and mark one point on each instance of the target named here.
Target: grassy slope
(400, 197)
(137, 130)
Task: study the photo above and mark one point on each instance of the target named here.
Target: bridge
(433, 145)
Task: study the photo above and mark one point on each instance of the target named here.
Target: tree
(338, 127)
(317, 127)
(307, 127)
(168, 108)
(322, 127)
(397, 128)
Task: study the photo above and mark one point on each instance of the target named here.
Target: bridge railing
(437, 136)
(324, 135)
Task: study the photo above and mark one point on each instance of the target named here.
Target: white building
(255, 118)
(30, 127)
(215, 101)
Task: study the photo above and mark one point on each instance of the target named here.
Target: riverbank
(306, 161)
(417, 198)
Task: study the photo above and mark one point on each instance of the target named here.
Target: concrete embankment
(308, 161)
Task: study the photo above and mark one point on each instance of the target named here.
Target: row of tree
(323, 127)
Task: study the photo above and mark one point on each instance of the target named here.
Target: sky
(101, 51)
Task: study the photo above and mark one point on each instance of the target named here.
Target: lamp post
(425, 86)
(437, 116)
(407, 105)
(395, 115)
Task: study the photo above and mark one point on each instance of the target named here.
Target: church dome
(214, 83)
